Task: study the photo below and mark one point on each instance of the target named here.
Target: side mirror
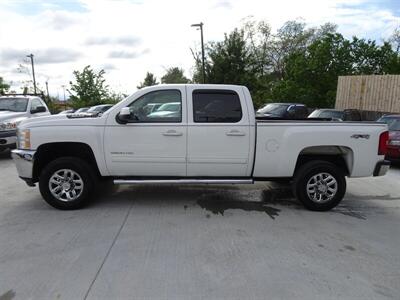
(124, 115)
(39, 109)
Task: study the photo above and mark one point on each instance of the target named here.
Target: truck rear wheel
(319, 185)
(66, 183)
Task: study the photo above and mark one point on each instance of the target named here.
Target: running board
(183, 181)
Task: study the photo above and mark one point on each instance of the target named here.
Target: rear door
(218, 133)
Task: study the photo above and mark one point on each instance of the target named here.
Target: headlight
(394, 142)
(24, 139)
(8, 126)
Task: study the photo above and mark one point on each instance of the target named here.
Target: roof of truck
(285, 103)
(19, 96)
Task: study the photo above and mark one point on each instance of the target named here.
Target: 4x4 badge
(360, 136)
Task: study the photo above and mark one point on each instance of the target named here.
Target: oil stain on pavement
(220, 205)
(8, 295)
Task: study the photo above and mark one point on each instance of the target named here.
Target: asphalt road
(199, 242)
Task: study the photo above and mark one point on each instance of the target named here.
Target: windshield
(327, 114)
(393, 123)
(13, 104)
(169, 107)
(81, 110)
(95, 109)
(98, 109)
(274, 109)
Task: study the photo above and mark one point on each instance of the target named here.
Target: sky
(127, 38)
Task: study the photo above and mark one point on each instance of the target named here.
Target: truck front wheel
(66, 183)
(319, 185)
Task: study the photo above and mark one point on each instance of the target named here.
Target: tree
(149, 80)
(114, 97)
(89, 88)
(395, 40)
(291, 37)
(370, 58)
(174, 75)
(228, 61)
(312, 75)
(295, 64)
(256, 57)
(4, 87)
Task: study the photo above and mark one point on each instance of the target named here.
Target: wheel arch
(341, 156)
(48, 152)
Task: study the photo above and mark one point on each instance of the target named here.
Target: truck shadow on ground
(215, 199)
(271, 198)
(395, 165)
(5, 155)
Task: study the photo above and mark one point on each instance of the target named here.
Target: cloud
(60, 20)
(146, 51)
(127, 54)
(11, 56)
(123, 54)
(41, 56)
(82, 32)
(122, 41)
(57, 55)
(108, 67)
(223, 4)
(36, 7)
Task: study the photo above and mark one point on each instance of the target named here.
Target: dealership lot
(183, 242)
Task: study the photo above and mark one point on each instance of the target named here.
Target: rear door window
(216, 106)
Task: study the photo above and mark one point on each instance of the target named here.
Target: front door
(153, 143)
(218, 133)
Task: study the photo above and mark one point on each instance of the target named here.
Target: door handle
(172, 133)
(235, 132)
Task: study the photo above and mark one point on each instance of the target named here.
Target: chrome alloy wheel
(66, 185)
(322, 187)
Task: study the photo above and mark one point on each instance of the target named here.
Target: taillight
(383, 141)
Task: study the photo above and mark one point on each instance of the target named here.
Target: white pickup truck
(14, 109)
(195, 134)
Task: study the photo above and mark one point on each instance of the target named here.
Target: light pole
(33, 72)
(200, 25)
(65, 104)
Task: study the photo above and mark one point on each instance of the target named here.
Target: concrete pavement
(199, 242)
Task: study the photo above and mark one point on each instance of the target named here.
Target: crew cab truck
(14, 109)
(211, 138)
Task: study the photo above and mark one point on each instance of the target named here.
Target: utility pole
(200, 25)
(33, 72)
(47, 89)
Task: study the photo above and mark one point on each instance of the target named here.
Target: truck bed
(284, 141)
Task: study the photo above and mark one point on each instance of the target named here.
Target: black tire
(77, 165)
(306, 172)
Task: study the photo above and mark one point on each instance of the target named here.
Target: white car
(166, 110)
(215, 139)
(14, 109)
(98, 109)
